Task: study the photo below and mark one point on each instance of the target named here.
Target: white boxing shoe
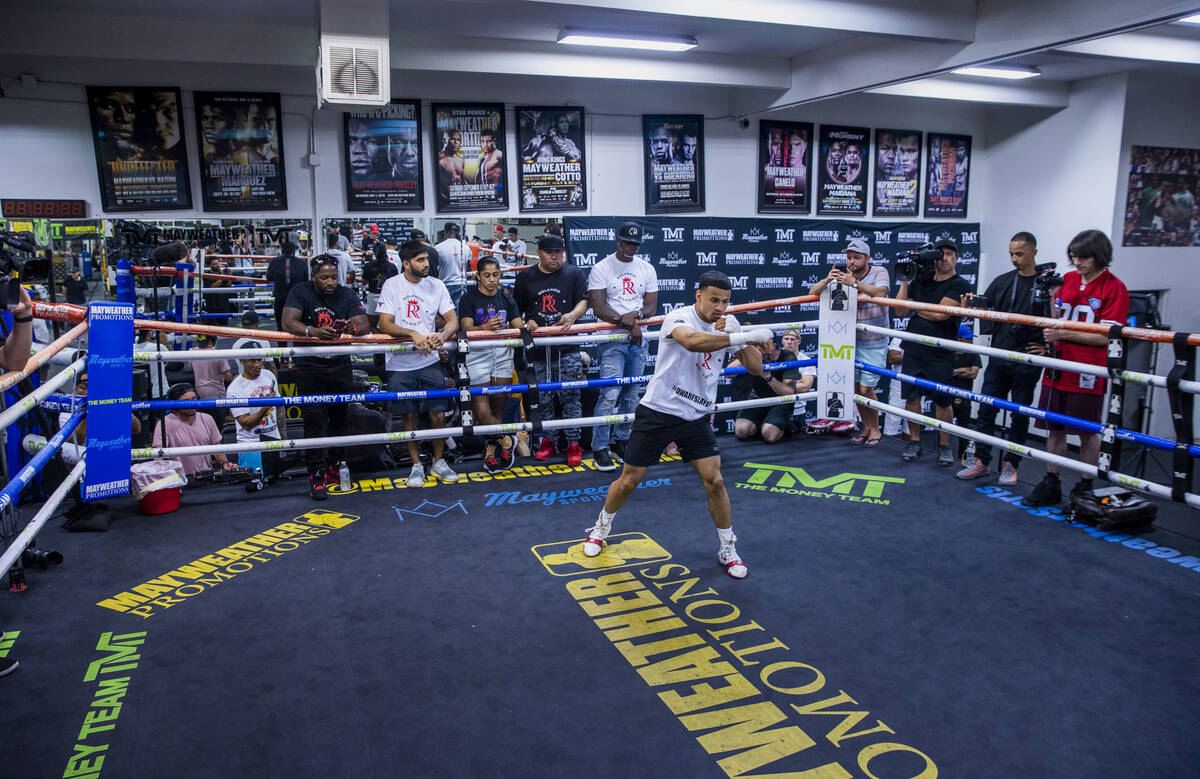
(595, 537)
(728, 557)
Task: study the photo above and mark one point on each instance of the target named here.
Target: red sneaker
(316, 485)
(506, 453)
(844, 427)
(545, 451)
(574, 453)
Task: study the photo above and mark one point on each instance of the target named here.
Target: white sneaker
(728, 557)
(416, 477)
(1008, 475)
(441, 470)
(595, 537)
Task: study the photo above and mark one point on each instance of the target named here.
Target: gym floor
(896, 622)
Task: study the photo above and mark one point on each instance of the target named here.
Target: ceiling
(769, 54)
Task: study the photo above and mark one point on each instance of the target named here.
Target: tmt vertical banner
(110, 396)
(835, 360)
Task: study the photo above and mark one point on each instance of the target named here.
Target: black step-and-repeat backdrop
(764, 258)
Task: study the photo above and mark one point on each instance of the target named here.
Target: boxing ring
(898, 622)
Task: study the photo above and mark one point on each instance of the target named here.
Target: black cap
(250, 318)
(946, 243)
(512, 231)
(631, 232)
(252, 345)
(551, 243)
(177, 391)
(416, 235)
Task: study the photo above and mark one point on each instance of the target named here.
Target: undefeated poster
(141, 157)
(468, 144)
(1160, 203)
(383, 158)
(897, 172)
(784, 159)
(552, 174)
(241, 151)
(843, 166)
(949, 175)
(674, 154)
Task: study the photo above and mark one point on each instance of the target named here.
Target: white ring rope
(30, 531)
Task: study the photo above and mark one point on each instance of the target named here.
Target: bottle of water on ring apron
(343, 476)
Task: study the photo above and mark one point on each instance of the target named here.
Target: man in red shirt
(1090, 293)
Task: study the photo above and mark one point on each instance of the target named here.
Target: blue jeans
(620, 359)
(456, 293)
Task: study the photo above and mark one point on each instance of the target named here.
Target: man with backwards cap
(623, 289)
(691, 352)
(945, 288)
(256, 423)
(871, 348)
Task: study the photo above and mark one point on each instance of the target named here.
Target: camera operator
(1090, 293)
(871, 348)
(1011, 292)
(944, 287)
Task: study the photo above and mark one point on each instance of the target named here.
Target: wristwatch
(306, 331)
(855, 284)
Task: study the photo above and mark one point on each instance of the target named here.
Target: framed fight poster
(946, 189)
(673, 150)
(471, 170)
(552, 172)
(241, 151)
(897, 172)
(785, 153)
(382, 158)
(843, 168)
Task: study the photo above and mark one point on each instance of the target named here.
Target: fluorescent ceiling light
(622, 41)
(1009, 73)
(1191, 19)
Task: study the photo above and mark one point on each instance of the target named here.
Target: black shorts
(778, 415)
(430, 377)
(1073, 404)
(941, 371)
(653, 430)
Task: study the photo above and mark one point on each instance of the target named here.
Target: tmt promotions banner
(765, 258)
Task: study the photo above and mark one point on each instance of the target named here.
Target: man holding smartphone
(323, 309)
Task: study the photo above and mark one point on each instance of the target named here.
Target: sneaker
(617, 450)
(912, 450)
(522, 447)
(976, 469)
(416, 477)
(506, 453)
(545, 451)
(7, 665)
(603, 460)
(728, 557)
(317, 488)
(845, 427)
(1082, 487)
(818, 426)
(1008, 474)
(441, 470)
(945, 456)
(574, 453)
(333, 476)
(596, 534)
(1048, 492)
(491, 463)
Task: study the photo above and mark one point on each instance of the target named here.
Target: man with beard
(403, 155)
(686, 153)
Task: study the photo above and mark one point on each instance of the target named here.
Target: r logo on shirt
(629, 288)
(549, 306)
(704, 363)
(414, 309)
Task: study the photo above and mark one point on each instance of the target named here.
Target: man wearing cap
(945, 288)
(551, 296)
(257, 423)
(623, 289)
(871, 348)
(454, 255)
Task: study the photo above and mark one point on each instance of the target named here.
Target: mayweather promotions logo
(794, 480)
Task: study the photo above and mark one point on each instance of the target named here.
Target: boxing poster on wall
(468, 143)
(383, 158)
(1160, 203)
(552, 174)
(674, 169)
(843, 170)
(141, 156)
(241, 151)
(949, 160)
(784, 158)
(897, 172)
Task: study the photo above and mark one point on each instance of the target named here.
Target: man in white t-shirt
(623, 289)
(681, 395)
(453, 253)
(409, 305)
(517, 247)
(345, 263)
(256, 423)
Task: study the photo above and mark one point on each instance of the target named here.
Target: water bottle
(343, 476)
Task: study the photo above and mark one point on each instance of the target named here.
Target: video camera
(30, 268)
(919, 264)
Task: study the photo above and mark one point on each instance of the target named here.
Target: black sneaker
(603, 460)
(1048, 491)
(617, 450)
(7, 665)
(912, 451)
(945, 456)
(317, 489)
(1082, 487)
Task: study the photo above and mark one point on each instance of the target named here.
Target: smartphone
(339, 325)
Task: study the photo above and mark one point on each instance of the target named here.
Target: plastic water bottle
(343, 476)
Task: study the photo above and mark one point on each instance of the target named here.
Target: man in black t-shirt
(487, 307)
(929, 362)
(553, 294)
(75, 288)
(1011, 292)
(323, 309)
(286, 271)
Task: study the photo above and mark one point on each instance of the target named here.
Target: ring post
(110, 396)
(835, 369)
(125, 290)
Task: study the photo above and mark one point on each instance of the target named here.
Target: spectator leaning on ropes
(257, 423)
(1090, 293)
(771, 421)
(870, 348)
